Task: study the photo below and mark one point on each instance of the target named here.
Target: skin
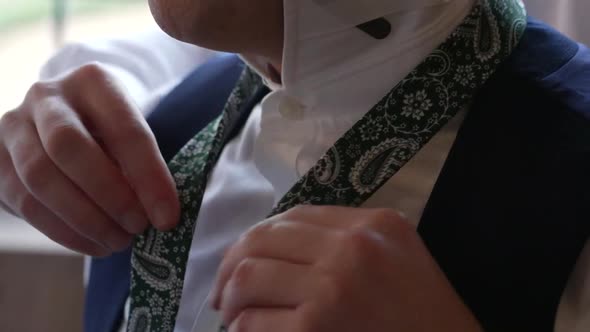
(78, 162)
(336, 269)
(237, 26)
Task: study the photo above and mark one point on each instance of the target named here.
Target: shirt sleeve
(147, 64)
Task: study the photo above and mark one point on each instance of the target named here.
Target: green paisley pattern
(159, 259)
(360, 162)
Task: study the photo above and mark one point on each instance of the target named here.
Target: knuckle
(6, 165)
(32, 172)
(132, 132)
(76, 243)
(4, 207)
(297, 211)
(92, 71)
(307, 323)
(62, 142)
(362, 242)
(123, 243)
(40, 90)
(256, 234)
(389, 222)
(124, 202)
(97, 231)
(105, 235)
(395, 224)
(26, 206)
(403, 228)
(243, 274)
(334, 289)
(244, 322)
(10, 121)
(385, 217)
(69, 242)
(95, 252)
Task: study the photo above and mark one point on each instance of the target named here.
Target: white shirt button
(291, 109)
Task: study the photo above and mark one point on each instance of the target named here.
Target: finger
(265, 283)
(125, 135)
(6, 176)
(7, 209)
(343, 217)
(56, 192)
(51, 226)
(264, 320)
(8, 122)
(81, 159)
(14, 194)
(287, 241)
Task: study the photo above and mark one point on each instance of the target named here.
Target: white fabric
(330, 80)
(148, 64)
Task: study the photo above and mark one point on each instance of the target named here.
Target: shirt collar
(328, 63)
(324, 52)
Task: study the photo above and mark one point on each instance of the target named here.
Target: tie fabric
(359, 163)
(173, 122)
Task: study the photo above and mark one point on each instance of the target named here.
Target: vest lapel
(508, 216)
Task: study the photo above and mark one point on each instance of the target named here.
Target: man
(497, 240)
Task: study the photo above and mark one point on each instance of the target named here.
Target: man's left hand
(336, 269)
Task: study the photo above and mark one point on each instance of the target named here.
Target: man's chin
(164, 17)
(223, 25)
(187, 25)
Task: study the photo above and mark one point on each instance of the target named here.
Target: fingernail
(118, 241)
(214, 298)
(135, 222)
(162, 215)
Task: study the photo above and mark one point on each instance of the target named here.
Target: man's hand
(336, 269)
(79, 163)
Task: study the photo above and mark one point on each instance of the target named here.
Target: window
(31, 30)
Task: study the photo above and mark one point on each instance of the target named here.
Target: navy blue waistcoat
(509, 214)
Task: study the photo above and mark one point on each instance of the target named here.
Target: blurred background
(41, 284)
(31, 30)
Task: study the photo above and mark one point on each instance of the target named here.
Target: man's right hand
(79, 163)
